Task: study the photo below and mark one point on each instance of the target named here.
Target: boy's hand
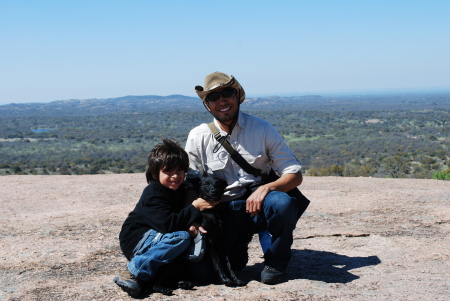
(193, 230)
(202, 204)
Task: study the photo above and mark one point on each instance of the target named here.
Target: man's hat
(219, 80)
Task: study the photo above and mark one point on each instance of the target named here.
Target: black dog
(212, 189)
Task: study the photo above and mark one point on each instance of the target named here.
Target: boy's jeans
(278, 216)
(156, 249)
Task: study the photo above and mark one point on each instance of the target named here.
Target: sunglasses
(228, 92)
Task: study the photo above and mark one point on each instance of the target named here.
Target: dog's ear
(195, 182)
(222, 183)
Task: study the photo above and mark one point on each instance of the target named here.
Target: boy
(159, 229)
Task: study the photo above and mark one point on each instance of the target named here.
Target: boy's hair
(167, 155)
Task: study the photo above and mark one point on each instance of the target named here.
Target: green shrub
(441, 175)
(333, 170)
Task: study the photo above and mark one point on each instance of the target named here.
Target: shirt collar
(242, 121)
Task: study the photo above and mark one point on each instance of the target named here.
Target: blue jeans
(278, 216)
(156, 249)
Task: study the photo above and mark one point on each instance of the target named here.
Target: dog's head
(212, 188)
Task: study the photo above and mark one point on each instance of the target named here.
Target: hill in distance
(150, 103)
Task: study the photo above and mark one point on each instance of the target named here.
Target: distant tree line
(401, 143)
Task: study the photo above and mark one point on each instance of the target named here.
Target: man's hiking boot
(129, 283)
(271, 275)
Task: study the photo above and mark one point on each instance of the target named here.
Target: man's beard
(229, 118)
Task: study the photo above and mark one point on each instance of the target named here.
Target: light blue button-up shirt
(255, 139)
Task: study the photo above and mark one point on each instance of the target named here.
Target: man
(246, 213)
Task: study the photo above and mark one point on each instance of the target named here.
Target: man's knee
(279, 202)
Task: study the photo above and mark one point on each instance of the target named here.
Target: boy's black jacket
(159, 208)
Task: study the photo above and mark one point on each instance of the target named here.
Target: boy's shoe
(129, 283)
(196, 251)
(271, 275)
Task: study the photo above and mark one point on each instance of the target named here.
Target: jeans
(278, 216)
(156, 249)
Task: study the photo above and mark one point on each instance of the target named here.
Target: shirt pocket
(216, 166)
(258, 160)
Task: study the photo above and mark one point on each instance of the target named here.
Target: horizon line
(354, 92)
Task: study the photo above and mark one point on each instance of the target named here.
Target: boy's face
(171, 179)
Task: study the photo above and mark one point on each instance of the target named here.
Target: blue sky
(56, 50)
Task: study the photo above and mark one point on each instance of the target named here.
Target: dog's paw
(228, 282)
(186, 285)
(239, 282)
(162, 289)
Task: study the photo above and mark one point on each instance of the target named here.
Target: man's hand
(284, 184)
(194, 228)
(256, 199)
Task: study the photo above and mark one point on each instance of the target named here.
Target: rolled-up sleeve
(283, 159)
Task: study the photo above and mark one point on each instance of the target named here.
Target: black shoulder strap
(233, 153)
